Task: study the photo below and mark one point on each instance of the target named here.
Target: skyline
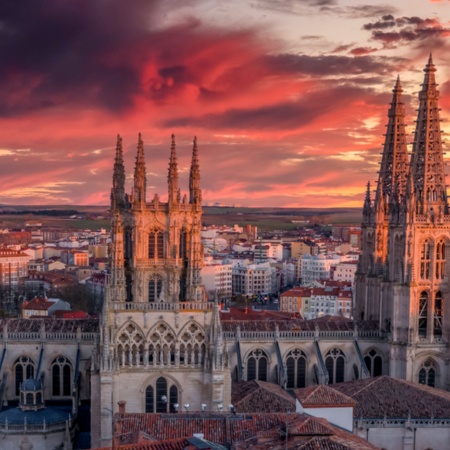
(288, 99)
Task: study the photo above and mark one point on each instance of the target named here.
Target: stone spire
(427, 162)
(195, 193)
(394, 162)
(367, 208)
(140, 180)
(117, 280)
(118, 187)
(173, 174)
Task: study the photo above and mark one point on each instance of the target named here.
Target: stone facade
(161, 346)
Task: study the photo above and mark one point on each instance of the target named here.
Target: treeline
(43, 212)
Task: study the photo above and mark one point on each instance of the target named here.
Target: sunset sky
(288, 98)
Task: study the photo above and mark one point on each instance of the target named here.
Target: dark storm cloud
(56, 50)
(282, 116)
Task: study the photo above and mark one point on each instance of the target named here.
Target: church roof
(49, 415)
(389, 397)
(325, 323)
(260, 396)
(322, 396)
(51, 325)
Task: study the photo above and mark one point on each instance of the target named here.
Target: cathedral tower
(412, 287)
(161, 343)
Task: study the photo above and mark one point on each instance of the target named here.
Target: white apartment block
(345, 271)
(217, 278)
(253, 279)
(317, 267)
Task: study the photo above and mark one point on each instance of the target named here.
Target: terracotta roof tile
(322, 396)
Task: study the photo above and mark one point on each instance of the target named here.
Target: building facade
(161, 342)
(402, 278)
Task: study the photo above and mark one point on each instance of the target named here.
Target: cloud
(406, 30)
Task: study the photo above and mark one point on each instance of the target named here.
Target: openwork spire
(427, 162)
(394, 161)
(140, 180)
(195, 193)
(118, 185)
(173, 173)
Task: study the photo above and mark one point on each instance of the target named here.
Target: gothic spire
(195, 194)
(367, 208)
(427, 162)
(118, 185)
(140, 181)
(173, 173)
(394, 160)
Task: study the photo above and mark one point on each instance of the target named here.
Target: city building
(13, 266)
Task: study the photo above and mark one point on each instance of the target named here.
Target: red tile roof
(322, 396)
(389, 397)
(260, 396)
(38, 304)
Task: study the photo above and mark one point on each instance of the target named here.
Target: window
(61, 377)
(423, 314)
(335, 364)
(161, 397)
(425, 256)
(257, 366)
(427, 373)
(374, 363)
(437, 325)
(440, 259)
(296, 369)
(156, 245)
(154, 289)
(24, 369)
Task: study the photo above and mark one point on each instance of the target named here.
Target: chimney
(122, 404)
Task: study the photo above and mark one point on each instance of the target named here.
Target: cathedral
(161, 344)
(161, 347)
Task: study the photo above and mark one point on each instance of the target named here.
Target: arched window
(23, 369)
(161, 397)
(296, 369)
(423, 314)
(149, 400)
(440, 259)
(156, 245)
(425, 257)
(154, 289)
(427, 373)
(335, 364)
(437, 325)
(257, 366)
(61, 377)
(374, 363)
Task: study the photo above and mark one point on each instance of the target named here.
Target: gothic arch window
(440, 259)
(162, 396)
(427, 373)
(425, 259)
(61, 376)
(130, 346)
(155, 287)
(423, 315)
(156, 245)
(335, 364)
(23, 369)
(296, 369)
(437, 322)
(257, 365)
(192, 345)
(162, 350)
(374, 363)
